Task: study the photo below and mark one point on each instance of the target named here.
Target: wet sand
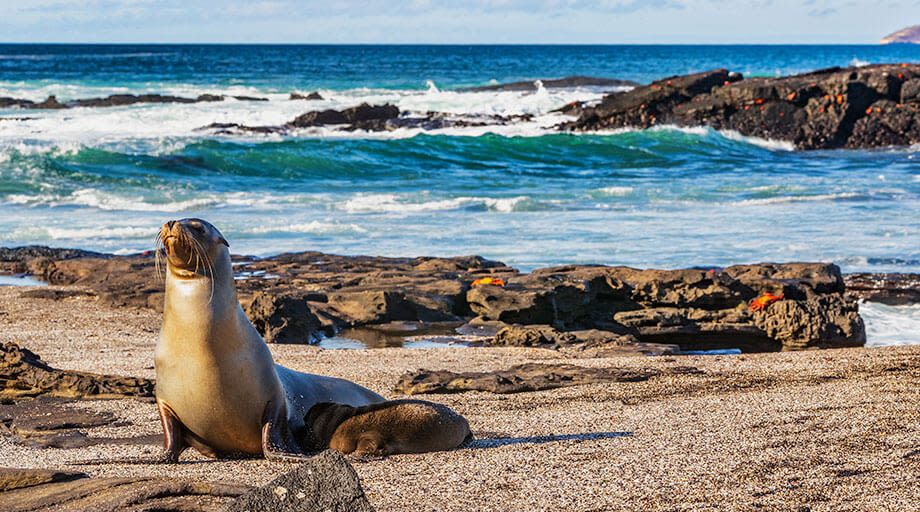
(817, 430)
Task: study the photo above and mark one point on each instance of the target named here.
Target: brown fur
(386, 428)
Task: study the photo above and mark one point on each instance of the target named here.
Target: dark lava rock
(855, 107)
(309, 294)
(313, 96)
(232, 128)
(114, 100)
(118, 100)
(523, 377)
(891, 289)
(284, 317)
(374, 118)
(584, 343)
(362, 117)
(50, 103)
(7, 102)
(23, 373)
(27, 490)
(15, 478)
(325, 483)
(554, 83)
(249, 98)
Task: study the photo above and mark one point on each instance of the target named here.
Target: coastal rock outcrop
(891, 289)
(114, 100)
(23, 373)
(372, 118)
(300, 297)
(855, 107)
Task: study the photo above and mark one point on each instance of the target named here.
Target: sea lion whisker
(157, 243)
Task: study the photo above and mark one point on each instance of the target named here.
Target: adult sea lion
(218, 389)
(386, 428)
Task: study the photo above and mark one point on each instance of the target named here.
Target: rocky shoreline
(582, 310)
(855, 107)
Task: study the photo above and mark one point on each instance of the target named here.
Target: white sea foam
(775, 145)
(314, 227)
(890, 325)
(83, 233)
(798, 199)
(404, 203)
(615, 191)
(96, 126)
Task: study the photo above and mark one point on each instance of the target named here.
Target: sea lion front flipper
(173, 442)
(278, 443)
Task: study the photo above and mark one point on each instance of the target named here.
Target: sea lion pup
(218, 389)
(386, 428)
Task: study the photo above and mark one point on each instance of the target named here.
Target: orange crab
(489, 280)
(761, 303)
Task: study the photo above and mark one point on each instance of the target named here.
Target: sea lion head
(192, 247)
(323, 418)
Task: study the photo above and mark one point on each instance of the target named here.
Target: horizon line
(59, 43)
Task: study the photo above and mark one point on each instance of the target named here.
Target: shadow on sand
(504, 441)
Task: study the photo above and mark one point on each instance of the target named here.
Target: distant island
(905, 35)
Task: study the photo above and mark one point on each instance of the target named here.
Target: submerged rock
(313, 96)
(855, 107)
(553, 83)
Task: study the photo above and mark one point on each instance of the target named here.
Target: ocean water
(107, 178)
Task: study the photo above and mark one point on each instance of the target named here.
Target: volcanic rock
(324, 483)
(520, 378)
(855, 107)
(23, 373)
(312, 96)
(553, 83)
(27, 490)
(362, 117)
(284, 317)
(892, 289)
(306, 295)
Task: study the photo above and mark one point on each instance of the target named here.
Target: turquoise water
(107, 178)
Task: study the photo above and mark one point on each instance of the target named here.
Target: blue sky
(462, 22)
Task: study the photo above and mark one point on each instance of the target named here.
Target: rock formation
(523, 377)
(855, 107)
(114, 100)
(299, 297)
(28, 490)
(23, 374)
(891, 289)
(553, 83)
(325, 483)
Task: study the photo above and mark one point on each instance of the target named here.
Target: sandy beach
(814, 430)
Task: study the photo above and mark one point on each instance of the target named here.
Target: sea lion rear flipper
(278, 443)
